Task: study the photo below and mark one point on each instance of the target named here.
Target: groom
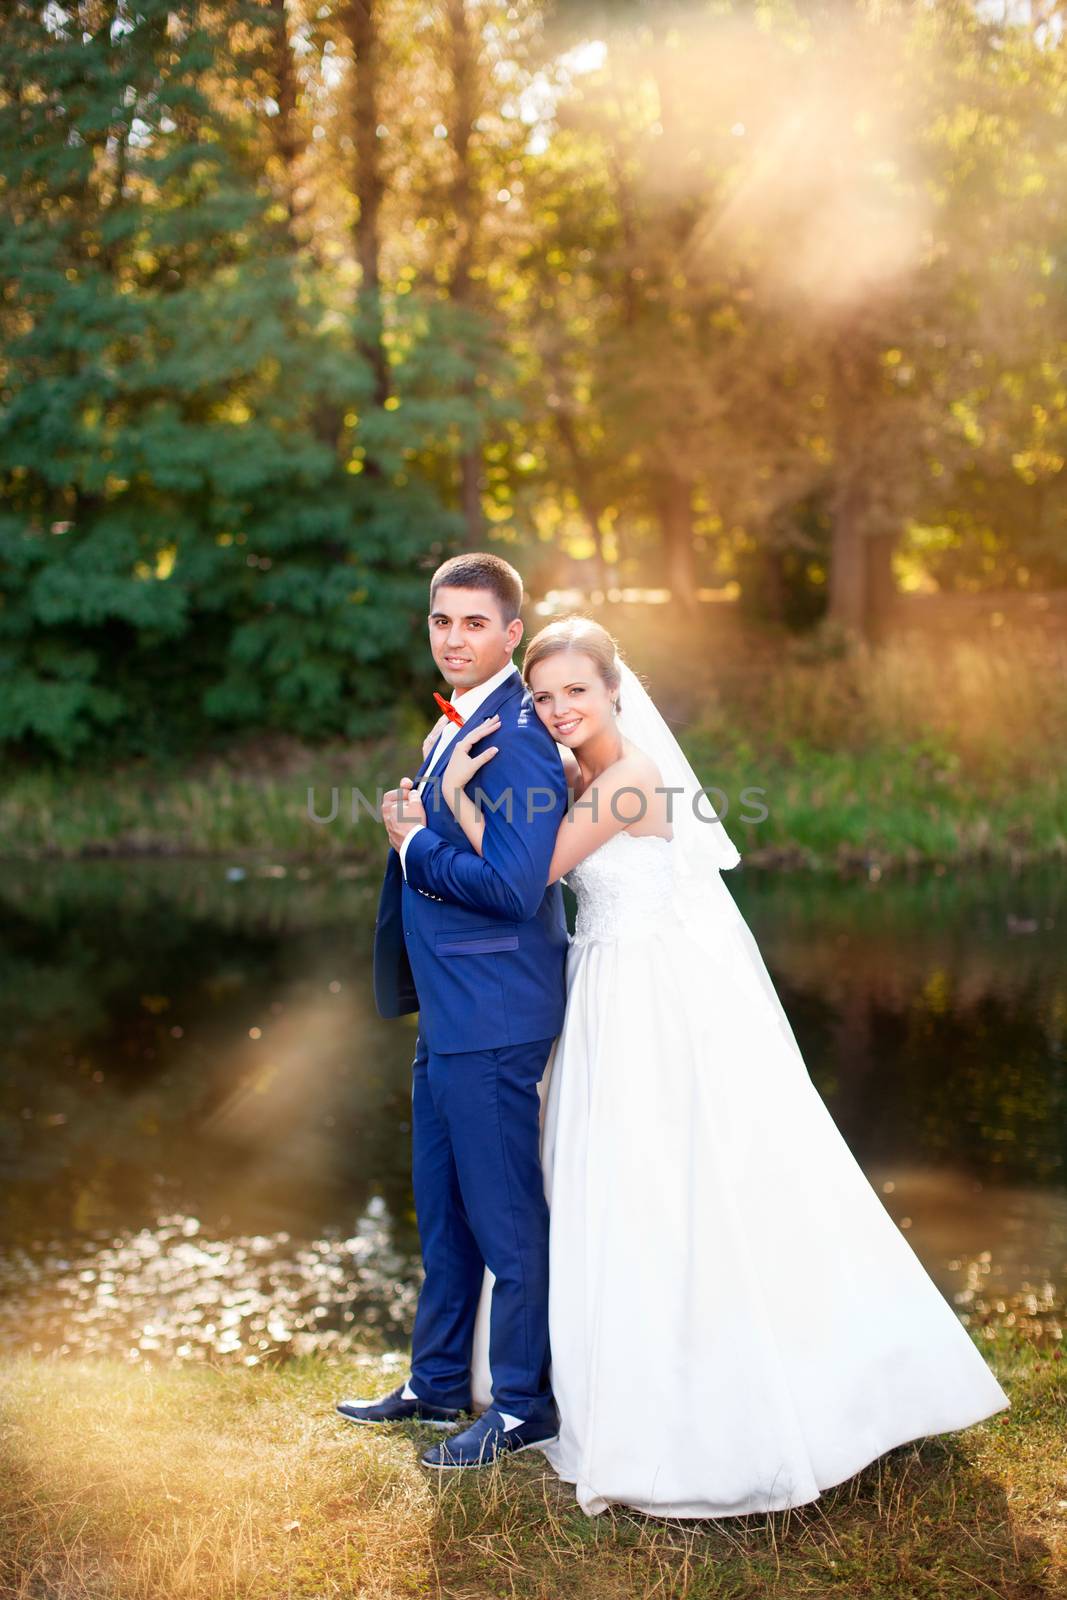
(480, 952)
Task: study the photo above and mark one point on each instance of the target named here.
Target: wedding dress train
(736, 1322)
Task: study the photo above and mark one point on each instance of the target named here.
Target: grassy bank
(200, 1484)
(915, 752)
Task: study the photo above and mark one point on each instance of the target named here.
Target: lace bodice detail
(624, 888)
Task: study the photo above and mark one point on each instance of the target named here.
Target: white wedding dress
(736, 1322)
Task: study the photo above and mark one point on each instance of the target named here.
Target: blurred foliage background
(754, 309)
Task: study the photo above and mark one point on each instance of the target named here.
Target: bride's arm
(460, 770)
(620, 795)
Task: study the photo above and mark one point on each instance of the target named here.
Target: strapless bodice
(624, 889)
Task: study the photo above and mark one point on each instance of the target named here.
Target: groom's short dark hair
(482, 570)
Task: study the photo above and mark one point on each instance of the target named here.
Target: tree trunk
(847, 605)
(287, 140)
(283, 128)
(848, 561)
(881, 587)
(464, 211)
(583, 487)
(674, 501)
(773, 564)
(853, 381)
(361, 26)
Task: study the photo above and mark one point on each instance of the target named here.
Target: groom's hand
(402, 810)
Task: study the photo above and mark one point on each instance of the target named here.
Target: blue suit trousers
(479, 1200)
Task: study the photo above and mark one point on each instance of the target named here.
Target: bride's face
(570, 697)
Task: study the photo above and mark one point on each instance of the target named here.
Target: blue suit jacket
(477, 944)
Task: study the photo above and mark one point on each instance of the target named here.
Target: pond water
(205, 1139)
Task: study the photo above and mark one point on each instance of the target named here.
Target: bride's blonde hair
(576, 633)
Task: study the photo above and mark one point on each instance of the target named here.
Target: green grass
(912, 752)
(237, 806)
(208, 1484)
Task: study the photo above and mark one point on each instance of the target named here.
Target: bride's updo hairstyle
(576, 633)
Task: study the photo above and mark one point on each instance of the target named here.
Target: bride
(736, 1323)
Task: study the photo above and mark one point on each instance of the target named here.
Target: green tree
(179, 540)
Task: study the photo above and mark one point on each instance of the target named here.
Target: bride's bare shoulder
(637, 773)
(632, 771)
(640, 768)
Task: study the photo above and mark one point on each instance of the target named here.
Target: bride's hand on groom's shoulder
(462, 765)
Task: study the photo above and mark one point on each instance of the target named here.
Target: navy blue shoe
(402, 1405)
(494, 1434)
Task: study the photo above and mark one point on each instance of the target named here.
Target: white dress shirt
(466, 701)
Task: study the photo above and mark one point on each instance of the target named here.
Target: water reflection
(206, 1141)
(171, 1294)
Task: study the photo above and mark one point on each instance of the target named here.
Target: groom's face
(468, 635)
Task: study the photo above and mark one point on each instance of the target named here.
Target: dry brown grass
(201, 1484)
